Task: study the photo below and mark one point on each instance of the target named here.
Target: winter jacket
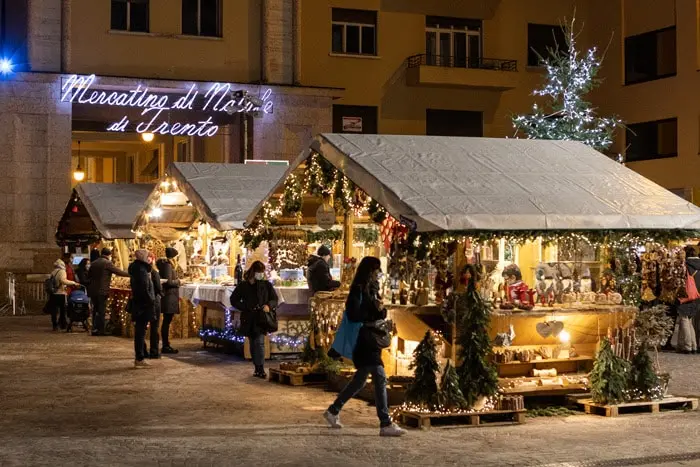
(170, 303)
(142, 293)
(61, 278)
(158, 292)
(248, 298)
(100, 276)
(319, 276)
(691, 309)
(361, 306)
(82, 275)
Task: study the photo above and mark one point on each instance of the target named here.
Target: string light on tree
(570, 76)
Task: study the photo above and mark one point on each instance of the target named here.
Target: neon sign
(220, 97)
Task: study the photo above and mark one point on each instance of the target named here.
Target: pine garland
(423, 390)
(610, 376)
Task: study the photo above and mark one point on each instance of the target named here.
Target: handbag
(346, 337)
(268, 320)
(379, 333)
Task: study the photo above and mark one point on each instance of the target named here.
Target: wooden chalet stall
(101, 215)
(540, 220)
(198, 208)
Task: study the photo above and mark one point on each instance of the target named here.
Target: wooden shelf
(544, 390)
(549, 360)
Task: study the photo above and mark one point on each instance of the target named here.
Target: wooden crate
(476, 419)
(668, 403)
(293, 378)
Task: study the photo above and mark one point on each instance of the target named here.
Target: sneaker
(392, 430)
(333, 420)
(169, 350)
(154, 355)
(142, 364)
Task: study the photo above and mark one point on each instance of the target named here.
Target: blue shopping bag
(346, 337)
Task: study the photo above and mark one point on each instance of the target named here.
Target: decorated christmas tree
(609, 378)
(571, 75)
(643, 381)
(450, 396)
(476, 371)
(423, 390)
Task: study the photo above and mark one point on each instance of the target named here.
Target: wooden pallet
(477, 419)
(668, 403)
(293, 378)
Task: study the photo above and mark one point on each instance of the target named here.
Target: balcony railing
(480, 63)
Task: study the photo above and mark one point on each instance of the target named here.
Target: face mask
(259, 276)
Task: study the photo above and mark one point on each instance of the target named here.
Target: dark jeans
(357, 383)
(99, 307)
(165, 328)
(58, 308)
(140, 338)
(154, 337)
(257, 349)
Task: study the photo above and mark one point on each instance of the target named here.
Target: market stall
(556, 232)
(101, 215)
(198, 208)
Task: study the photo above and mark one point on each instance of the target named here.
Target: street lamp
(78, 173)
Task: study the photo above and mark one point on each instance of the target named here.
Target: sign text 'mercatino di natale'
(220, 97)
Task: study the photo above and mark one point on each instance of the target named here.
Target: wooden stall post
(459, 262)
(348, 233)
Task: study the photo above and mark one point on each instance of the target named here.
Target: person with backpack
(56, 289)
(687, 327)
(364, 315)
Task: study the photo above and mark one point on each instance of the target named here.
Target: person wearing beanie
(57, 301)
(100, 280)
(170, 302)
(142, 303)
(318, 274)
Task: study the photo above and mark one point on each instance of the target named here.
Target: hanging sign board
(155, 105)
(352, 124)
(325, 216)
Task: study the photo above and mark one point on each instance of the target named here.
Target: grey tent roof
(114, 206)
(488, 184)
(225, 194)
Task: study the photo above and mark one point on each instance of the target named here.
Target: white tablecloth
(222, 294)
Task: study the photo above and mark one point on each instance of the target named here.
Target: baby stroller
(78, 309)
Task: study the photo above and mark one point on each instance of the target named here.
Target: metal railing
(480, 63)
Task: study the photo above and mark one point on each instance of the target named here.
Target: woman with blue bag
(362, 335)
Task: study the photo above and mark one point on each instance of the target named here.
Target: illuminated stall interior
(553, 211)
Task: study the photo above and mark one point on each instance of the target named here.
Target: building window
(201, 18)
(355, 119)
(452, 42)
(650, 56)
(354, 32)
(541, 38)
(652, 140)
(130, 15)
(454, 123)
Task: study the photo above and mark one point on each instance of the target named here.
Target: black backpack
(50, 285)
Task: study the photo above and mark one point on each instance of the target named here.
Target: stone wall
(44, 35)
(278, 41)
(35, 129)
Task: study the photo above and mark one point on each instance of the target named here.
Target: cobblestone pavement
(71, 399)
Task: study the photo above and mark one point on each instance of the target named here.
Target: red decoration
(75, 209)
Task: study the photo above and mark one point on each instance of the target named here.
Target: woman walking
(142, 303)
(170, 303)
(364, 306)
(253, 296)
(57, 301)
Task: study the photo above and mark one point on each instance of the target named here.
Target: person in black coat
(158, 291)
(253, 296)
(81, 273)
(364, 305)
(142, 306)
(170, 303)
(319, 273)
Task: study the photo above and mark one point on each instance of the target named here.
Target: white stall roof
(225, 194)
(489, 184)
(113, 207)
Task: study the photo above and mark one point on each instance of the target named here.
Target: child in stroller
(78, 309)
